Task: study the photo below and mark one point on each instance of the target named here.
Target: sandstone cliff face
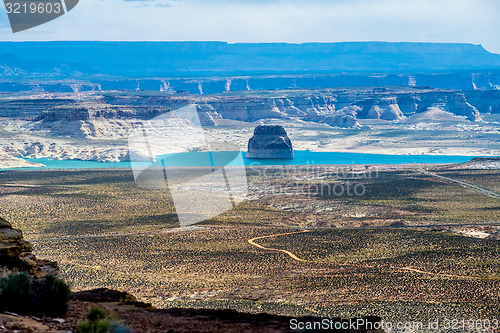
(249, 109)
(93, 111)
(478, 81)
(408, 103)
(454, 102)
(207, 114)
(16, 254)
(270, 142)
(485, 101)
(94, 120)
(385, 108)
(101, 120)
(114, 116)
(485, 163)
(29, 107)
(335, 107)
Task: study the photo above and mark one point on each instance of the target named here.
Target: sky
(293, 21)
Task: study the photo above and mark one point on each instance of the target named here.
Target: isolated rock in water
(270, 142)
(16, 254)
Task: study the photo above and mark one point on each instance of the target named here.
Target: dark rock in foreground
(269, 142)
(16, 254)
(140, 317)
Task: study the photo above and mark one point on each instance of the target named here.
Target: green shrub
(99, 321)
(53, 295)
(45, 296)
(16, 293)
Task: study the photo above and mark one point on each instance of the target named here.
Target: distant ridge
(153, 59)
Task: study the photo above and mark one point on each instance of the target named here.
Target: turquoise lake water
(233, 158)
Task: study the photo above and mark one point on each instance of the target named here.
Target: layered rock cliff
(335, 107)
(94, 111)
(44, 125)
(113, 116)
(94, 120)
(270, 142)
(479, 81)
(16, 254)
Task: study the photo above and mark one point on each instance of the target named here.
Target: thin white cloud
(472, 21)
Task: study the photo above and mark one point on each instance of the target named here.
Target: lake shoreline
(204, 159)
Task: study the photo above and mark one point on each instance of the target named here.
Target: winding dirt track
(409, 269)
(444, 274)
(293, 256)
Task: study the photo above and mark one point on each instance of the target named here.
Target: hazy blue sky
(471, 21)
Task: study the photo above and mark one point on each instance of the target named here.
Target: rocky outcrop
(479, 81)
(270, 142)
(101, 120)
(138, 316)
(250, 109)
(59, 150)
(485, 101)
(484, 163)
(345, 117)
(94, 120)
(16, 254)
(494, 236)
(30, 107)
(451, 101)
(93, 111)
(335, 107)
(8, 160)
(385, 108)
(113, 116)
(105, 295)
(207, 115)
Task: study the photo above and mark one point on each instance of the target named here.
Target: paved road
(479, 189)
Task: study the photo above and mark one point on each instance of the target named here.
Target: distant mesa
(270, 142)
(168, 59)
